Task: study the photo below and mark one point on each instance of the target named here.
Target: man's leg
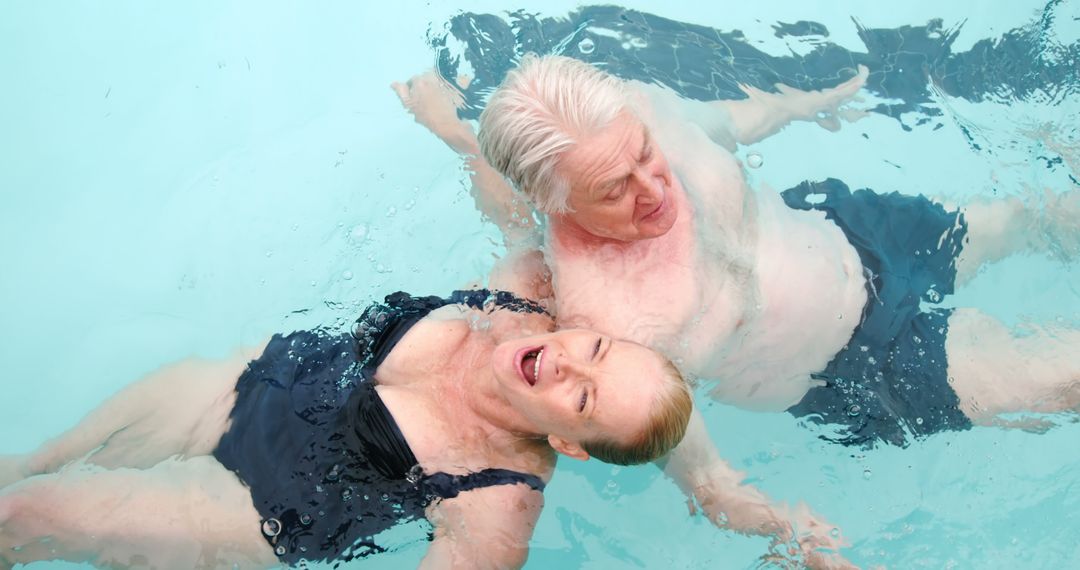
(1049, 223)
(189, 513)
(997, 371)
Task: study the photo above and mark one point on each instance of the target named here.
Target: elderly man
(807, 302)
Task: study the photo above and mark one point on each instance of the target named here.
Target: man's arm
(487, 528)
(433, 104)
(696, 467)
(761, 114)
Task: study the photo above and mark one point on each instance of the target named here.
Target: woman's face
(579, 385)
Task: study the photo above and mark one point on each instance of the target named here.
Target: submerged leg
(997, 371)
(181, 409)
(998, 228)
(190, 513)
(12, 469)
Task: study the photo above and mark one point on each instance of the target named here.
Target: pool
(180, 180)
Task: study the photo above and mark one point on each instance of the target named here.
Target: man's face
(620, 183)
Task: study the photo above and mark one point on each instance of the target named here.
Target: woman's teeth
(536, 366)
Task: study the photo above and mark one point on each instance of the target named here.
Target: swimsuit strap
(382, 325)
(447, 486)
(478, 298)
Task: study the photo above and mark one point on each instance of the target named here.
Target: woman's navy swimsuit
(890, 382)
(327, 465)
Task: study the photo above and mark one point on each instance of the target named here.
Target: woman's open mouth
(529, 364)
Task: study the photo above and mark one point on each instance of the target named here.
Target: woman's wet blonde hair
(539, 112)
(666, 426)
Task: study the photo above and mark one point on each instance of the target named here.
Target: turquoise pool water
(179, 180)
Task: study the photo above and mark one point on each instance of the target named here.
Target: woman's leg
(997, 371)
(181, 409)
(190, 513)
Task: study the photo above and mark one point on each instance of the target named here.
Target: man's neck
(571, 235)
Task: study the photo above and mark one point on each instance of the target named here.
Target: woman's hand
(807, 541)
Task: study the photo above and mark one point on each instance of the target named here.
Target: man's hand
(434, 103)
(821, 106)
(763, 114)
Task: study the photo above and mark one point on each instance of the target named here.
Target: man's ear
(567, 448)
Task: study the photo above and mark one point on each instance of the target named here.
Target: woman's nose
(567, 367)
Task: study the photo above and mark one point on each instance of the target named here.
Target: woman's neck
(469, 396)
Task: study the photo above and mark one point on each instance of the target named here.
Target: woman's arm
(696, 467)
(433, 103)
(487, 528)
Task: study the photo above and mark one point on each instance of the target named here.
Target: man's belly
(812, 295)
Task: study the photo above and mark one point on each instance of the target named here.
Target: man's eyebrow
(606, 186)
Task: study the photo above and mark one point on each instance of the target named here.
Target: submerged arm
(433, 104)
(762, 114)
(486, 528)
(696, 466)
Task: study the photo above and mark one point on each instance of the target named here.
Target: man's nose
(649, 188)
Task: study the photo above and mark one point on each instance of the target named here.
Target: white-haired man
(806, 302)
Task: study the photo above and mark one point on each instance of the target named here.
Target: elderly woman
(808, 302)
(327, 439)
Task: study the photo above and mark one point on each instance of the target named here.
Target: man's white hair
(540, 111)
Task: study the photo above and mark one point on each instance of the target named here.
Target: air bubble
(754, 160)
(835, 533)
(638, 43)
(919, 421)
(269, 253)
(385, 497)
(280, 550)
(347, 275)
(867, 473)
(391, 212)
(586, 46)
(853, 410)
(305, 519)
(359, 232)
(271, 527)
(934, 296)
